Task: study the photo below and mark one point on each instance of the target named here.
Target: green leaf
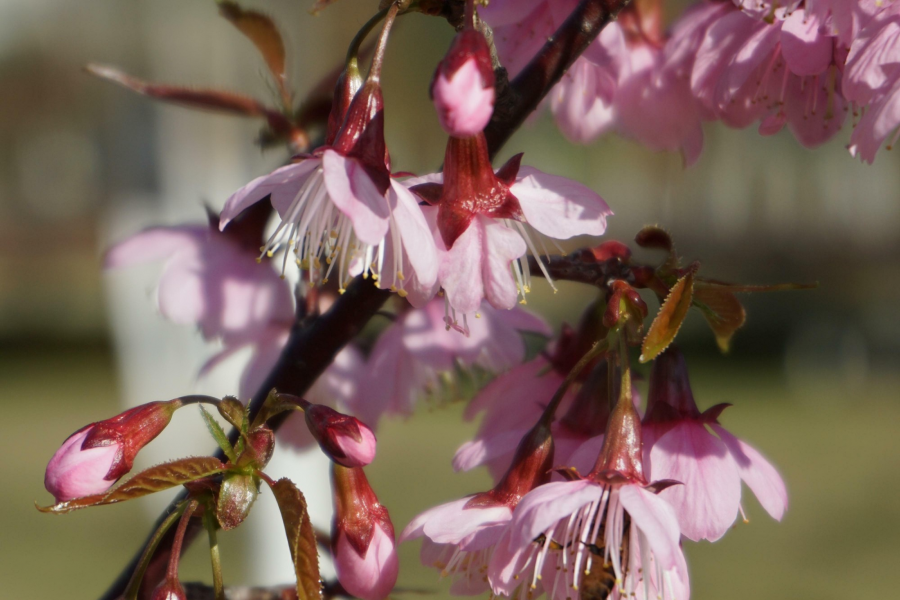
(232, 410)
(155, 479)
(218, 434)
(273, 405)
(301, 538)
(669, 318)
(236, 498)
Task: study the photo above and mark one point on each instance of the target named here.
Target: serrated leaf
(218, 434)
(205, 99)
(232, 410)
(722, 310)
(301, 538)
(236, 498)
(260, 30)
(273, 405)
(155, 479)
(669, 318)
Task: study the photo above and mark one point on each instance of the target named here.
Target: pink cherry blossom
(340, 209)
(74, 472)
(210, 279)
(678, 445)
(413, 353)
(482, 217)
(459, 541)
(781, 71)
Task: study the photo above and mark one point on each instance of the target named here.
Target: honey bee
(598, 580)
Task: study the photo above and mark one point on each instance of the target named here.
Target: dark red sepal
(131, 430)
(346, 87)
(362, 135)
(670, 397)
(611, 250)
(661, 484)
(712, 414)
(326, 424)
(429, 192)
(356, 509)
(472, 188)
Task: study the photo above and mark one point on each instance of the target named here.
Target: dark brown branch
(518, 98)
(575, 267)
(313, 345)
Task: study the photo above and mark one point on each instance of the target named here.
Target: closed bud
(345, 439)
(362, 537)
(93, 458)
(463, 86)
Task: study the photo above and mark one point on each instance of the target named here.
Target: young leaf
(301, 538)
(273, 405)
(232, 410)
(260, 30)
(722, 310)
(206, 99)
(216, 431)
(669, 319)
(155, 479)
(236, 498)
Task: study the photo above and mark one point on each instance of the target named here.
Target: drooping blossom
(872, 81)
(460, 536)
(93, 458)
(341, 211)
(211, 279)
(417, 351)
(778, 71)
(362, 537)
(679, 445)
(607, 534)
(463, 85)
(483, 219)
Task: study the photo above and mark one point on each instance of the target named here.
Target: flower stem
(352, 61)
(378, 57)
(175, 558)
(134, 584)
(215, 560)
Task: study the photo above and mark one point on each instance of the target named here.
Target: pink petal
(479, 451)
(464, 105)
(707, 502)
(547, 504)
(758, 473)
(559, 207)
(369, 577)
(657, 520)
(353, 192)
(282, 183)
(182, 298)
(875, 46)
(805, 49)
(450, 523)
(153, 244)
(73, 472)
(882, 118)
(415, 234)
(582, 101)
(501, 246)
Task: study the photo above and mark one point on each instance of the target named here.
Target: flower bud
(345, 439)
(93, 458)
(463, 86)
(362, 537)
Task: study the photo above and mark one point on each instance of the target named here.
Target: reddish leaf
(320, 6)
(236, 498)
(301, 538)
(155, 479)
(669, 319)
(205, 99)
(260, 30)
(722, 310)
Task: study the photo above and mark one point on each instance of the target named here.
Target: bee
(554, 545)
(598, 580)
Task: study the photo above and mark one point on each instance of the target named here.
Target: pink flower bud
(73, 472)
(345, 439)
(93, 458)
(365, 555)
(463, 86)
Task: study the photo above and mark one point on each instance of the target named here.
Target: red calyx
(620, 458)
(131, 430)
(345, 89)
(589, 413)
(531, 466)
(468, 44)
(356, 509)
(670, 397)
(471, 187)
(326, 424)
(361, 135)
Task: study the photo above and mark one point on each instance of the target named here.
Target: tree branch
(313, 343)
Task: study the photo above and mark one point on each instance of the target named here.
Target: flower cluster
(804, 64)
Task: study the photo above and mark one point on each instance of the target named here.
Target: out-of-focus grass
(839, 455)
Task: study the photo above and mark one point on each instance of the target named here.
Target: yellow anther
(269, 253)
(341, 291)
(402, 293)
(400, 275)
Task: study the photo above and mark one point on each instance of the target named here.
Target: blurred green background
(813, 376)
